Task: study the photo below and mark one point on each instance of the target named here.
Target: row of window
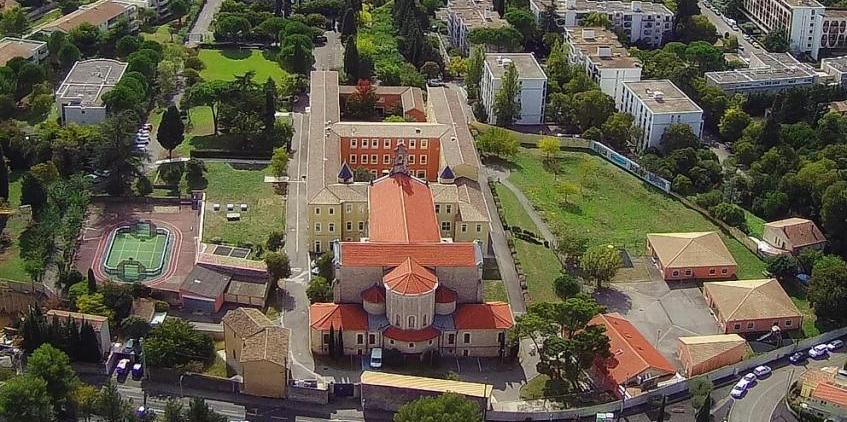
(386, 143)
(712, 271)
(386, 159)
(331, 227)
(360, 339)
(751, 324)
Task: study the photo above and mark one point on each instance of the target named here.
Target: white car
(762, 371)
(835, 344)
(739, 389)
(819, 351)
(750, 378)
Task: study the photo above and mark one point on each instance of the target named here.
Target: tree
(730, 214)
(199, 411)
(111, 406)
(14, 22)
(93, 304)
(117, 154)
(782, 266)
(834, 213)
(175, 343)
(54, 367)
(25, 398)
(618, 130)
(195, 171)
(567, 189)
(430, 69)
(507, 102)
(733, 123)
(269, 116)
(89, 344)
(597, 19)
(279, 162)
(171, 131)
(167, 74)
(319, 290)
(296, 53)
(828, 289)
(566, 286)
(135, 327)
(276, 240)
(592, 108)
(447, 407)
(179, 8)
(474, 72)
(361, 104)
(173, 412)
(776, 41)
(351, 61)
(84, 400)
(4, 177)
(678, 136)
(499, 142)
(549, 146)
(207, 94)
(349, 25)
(278, 265)
(600, 263)
(143, 186)
(700, 388)
(697, 28)
(570, 244)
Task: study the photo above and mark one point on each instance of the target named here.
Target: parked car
(144, 413)
(122, 366)
(835, 344)
(750, 378)
(797, 358)
(762, 371)
(376, 357)
(137, 371)
(435, 82)
(819, 351)
(739, 389)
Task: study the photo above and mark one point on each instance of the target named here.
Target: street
(723, 27)
(135, 395)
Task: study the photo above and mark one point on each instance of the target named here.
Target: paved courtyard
(661, 312)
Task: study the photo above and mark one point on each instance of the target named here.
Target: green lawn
(495, 291)
(161, 34)
(11, 264)
(226, 64)
(266, 209)
(539, 263)
(614, 207)
(47, 18)
(754, 223)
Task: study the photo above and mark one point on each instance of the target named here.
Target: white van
(376, 358)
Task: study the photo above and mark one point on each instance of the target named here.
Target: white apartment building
(80, 96)
(767, 72)
(836, 67)
(605, 60)
(104, 14)
(532, 80)
(801, 19)
(30, 50)
(657, 104)
(466, 15)
(647, 22)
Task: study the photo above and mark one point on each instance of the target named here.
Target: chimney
(588, 34)
(658, 96)
(636, 6)
(604, 51)
(570, 4)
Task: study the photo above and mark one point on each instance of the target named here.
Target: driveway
(662, 313)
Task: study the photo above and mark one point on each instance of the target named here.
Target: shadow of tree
(613, 299)
(236, 53)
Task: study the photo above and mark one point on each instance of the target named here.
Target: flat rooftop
(801, 3)
(476, 14)
(625, 7)
(96, 14)
(18, 47)
(662, 96)
(838, 63)
(765, 67)
(525, 63)
(88, 80)
(602, 46)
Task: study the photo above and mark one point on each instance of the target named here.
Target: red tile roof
(366, 254)
(322, 316)
(445, 295)
(374, 294)
(483, 316)
(413, 336)
(632, 354)
(831, 393)
(401, 210)
(410, 278)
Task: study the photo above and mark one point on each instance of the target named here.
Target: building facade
(531, 79)
(751, 306)
(655, 105)
(463, 16)
(80, 96)
(643, 22)
(99, 323)
(257, 349)
(371, 146)
(604, 58)
(793, 235)
(104, 15)
(767, 72)
(701, 354)
(802, 21)
(691, 256)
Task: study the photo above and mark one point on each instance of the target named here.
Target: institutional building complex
(604, 58)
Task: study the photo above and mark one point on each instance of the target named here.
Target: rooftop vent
(636, 6)
(658, 96)
(588, 34)
(604, 51)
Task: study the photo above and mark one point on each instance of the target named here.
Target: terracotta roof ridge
(681, 250)
(624, 338)
(742, 301)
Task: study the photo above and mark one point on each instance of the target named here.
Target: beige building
(793, 235)
(823, 392)
(751, 306)
(701, 354)
(29, 50)
(257, 349)
(463, 16)
(338, 206)
(104, 15)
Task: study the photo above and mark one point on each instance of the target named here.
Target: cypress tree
(270, 107)
(171, 131)
(72, 339)
(92, 281)
(89, 347)
(348, 26)
(339, 350)
(331, 340)
(4, 177)
(351, 62)
(54, 333)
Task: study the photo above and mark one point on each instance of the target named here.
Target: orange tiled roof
(373, 294)
(410, 278)
(445, 295)
(484, 316)
(632, 354)
(402, 210)
(395, 333)
(366, 254)
(322, 316)
(831, 393)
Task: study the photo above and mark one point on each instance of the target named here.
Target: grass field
(613, 207)
(11, 264)
(754, 223)
(495, 291)
(266, 209)
(150, 252)
(226, 64)
(539, 263)
(161, 34)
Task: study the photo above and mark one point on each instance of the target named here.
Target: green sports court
(137, 252)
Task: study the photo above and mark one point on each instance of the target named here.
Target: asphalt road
(723, 27)
(762, 400)
(201, 27)
(233, 412)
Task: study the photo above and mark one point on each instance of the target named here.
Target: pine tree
(54, 332)
(331, 340)
(34, 329)
(4, 177)
(507, 103)
(351, 61)
(339, 349)
(92, 281)
(171, 130)
(89, 347)
(349, 26)
(270, 107)
(72, 341)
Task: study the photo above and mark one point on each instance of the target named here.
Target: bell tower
(401, 157)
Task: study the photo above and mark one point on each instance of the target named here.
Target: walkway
(200, 32)
(502, 175)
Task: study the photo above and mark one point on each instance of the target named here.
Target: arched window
(411, 321)
(397, 320)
